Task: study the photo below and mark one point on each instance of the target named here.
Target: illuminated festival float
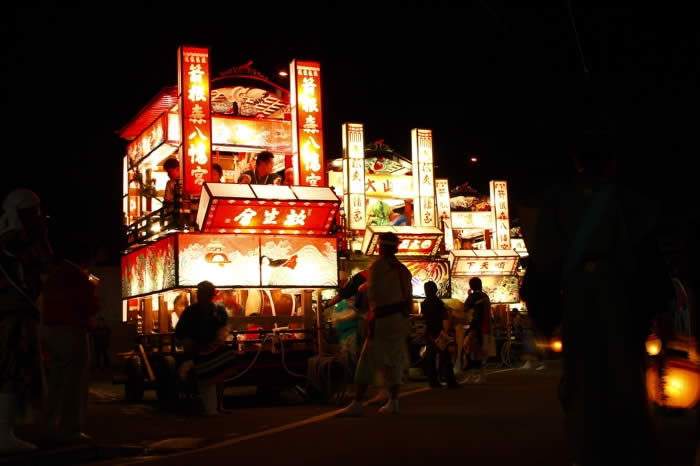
(383, 192)
(443, 238)
(267, 248)
(379, 196)
(481, 245)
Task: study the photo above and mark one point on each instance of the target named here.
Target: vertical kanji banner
(499, 202)
(423, 181)
(354, 174)
(195, 114)
(307, 123)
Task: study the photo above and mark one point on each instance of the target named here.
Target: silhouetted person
(70, 303)
(436, 323)
(172, 187)
(24, 253)
(203, 330)
(596, 270)
(480, 331)
(390, 302)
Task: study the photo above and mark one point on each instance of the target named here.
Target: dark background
(507, 85)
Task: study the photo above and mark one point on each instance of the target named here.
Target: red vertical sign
(195, 114)
(307, 124)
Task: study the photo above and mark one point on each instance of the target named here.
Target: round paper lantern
(653, 345)
(680, 387)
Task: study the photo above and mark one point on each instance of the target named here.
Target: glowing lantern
(653, 345)
(681, 384)
(556, 345)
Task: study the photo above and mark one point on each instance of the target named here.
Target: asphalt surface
(514, 418)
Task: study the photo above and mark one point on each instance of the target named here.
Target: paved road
(514, 419)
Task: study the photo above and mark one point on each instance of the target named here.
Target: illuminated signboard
(195, 110)
(243, 208)
(149, 269)
(353, 188)
(423, 181)
(442, 194)
(476, 262)
(472, 220)
(273, 135)
(500, 288)
(147, 141)
(499, 202)
(413, 241)
(379, 186)
(307, 129)
(253, 261)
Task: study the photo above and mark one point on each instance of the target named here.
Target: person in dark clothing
(584, 275)
(203, 330)
(217, 173)
(70, 303)
(353, 288)
(24, 254)
(100, 340)
(480, 333)
(436, 323)
(263, 173)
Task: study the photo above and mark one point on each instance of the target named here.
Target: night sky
(503, 84)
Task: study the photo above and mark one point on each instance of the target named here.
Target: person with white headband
(24, 253)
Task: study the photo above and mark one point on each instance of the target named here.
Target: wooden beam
(163, 315)
(147, 315)
(149, 369)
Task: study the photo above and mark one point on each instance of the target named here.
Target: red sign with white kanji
(195, 114)
(281, 217)
(307, 123)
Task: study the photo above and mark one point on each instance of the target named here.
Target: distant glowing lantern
(680, 387)
(653, 345)
(556, 345)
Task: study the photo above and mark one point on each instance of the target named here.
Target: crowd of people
(262, 173)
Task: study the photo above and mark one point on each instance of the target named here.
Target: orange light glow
(680, 387)
(653, 345)
(557, 345)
